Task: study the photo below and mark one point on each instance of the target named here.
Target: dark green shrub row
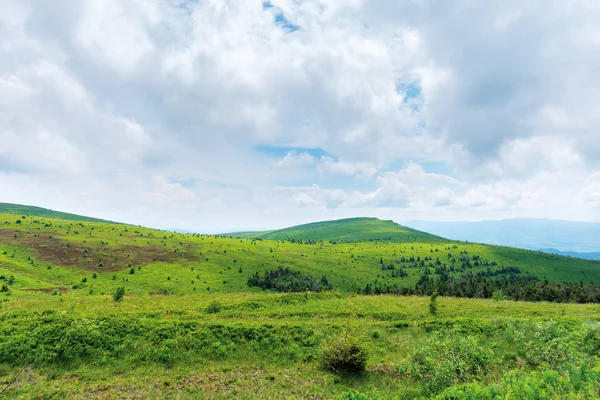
(63, 339)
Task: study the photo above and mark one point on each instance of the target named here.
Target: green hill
(8, 208)
(189, 325)
(81, 257)
(347, 230)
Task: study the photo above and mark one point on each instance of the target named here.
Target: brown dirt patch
(92, 256)
(46, 290)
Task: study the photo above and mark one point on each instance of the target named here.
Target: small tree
(433, 303)
(119, 294)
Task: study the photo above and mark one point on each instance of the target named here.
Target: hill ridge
(35, 211)
(345, 229)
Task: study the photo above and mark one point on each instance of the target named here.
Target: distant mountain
(349, 230)
(33, 211)
(588, 255)
(533, 234)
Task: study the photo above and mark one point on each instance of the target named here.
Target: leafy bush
(345, 354)
(592, 341)
(214, 307)
(354, 395)
(119, 293)
(578, 383)
(552, 344)
(446, 360)
(286, 280)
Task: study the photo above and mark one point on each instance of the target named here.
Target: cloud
(108, 106)
(328, 165)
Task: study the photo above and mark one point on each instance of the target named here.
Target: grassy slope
(33, 211)
(46, 253)
(350, 230)
(261, 345)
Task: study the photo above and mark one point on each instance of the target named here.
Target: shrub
(213, 307)
(119, 293)
(433, 303)
(345, 354)
(446, 360)
(497, 295)
(354, 395)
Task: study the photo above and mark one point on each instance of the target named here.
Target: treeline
(286, 280)
(512, 286)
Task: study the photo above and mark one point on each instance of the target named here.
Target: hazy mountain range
(576, 239)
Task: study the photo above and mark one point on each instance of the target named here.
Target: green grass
(268, 345)
(190, 327)
(44, 253)
(349, 230)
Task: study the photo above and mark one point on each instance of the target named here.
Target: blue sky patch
(281, 20)
(280, 152)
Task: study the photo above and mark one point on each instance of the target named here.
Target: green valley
(189, 323)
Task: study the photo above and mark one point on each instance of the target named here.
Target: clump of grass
(346, 354)
(214, 307)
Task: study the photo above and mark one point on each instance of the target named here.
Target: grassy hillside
(97, 257)
(189, 326)
(349, 230)
(8, 208)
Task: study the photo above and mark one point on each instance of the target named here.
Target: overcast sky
(226, 115)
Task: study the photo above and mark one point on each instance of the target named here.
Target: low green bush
(446, 360)
(345, 354)
(214, 307)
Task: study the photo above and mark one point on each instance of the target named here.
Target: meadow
(189, 326)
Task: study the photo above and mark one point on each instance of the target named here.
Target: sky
(216, 116)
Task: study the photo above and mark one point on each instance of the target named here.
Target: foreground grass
(190, 327)
(268, 346)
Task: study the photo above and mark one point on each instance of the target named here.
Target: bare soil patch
(92, 256)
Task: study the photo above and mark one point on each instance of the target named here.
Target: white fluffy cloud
(244, 114)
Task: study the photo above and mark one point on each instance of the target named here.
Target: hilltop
(32, 211)
(347, 230)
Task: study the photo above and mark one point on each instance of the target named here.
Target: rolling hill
(8, 208)
(348, 230)
(189, 326)
(83, 258)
